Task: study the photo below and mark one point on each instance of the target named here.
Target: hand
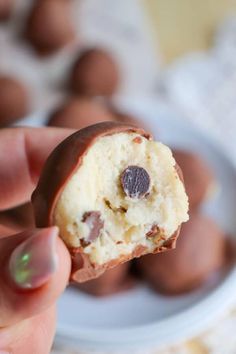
(35, 264)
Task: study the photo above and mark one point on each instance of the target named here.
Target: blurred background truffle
(113, 281)
(77, 113)
(198, 177)
(124, 117)
(95, 73)
(6, 7)
(14, 100)
(49, 25)
(200, 252)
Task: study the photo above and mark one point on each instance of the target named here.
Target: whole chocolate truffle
(95, 73)
(49, 26)
(111, 200)
(14, 100)
(77, 113)
(200, 251)
(6, 7)
(113, 281)
(198, 177)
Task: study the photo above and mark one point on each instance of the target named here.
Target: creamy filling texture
(121, 223)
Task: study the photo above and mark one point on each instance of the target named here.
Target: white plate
(140, 318)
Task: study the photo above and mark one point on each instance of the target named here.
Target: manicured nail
(4, 352)
(34, 261)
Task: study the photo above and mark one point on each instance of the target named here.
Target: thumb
(35, 271)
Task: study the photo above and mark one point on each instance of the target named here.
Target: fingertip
(35, 260)
(37, 272)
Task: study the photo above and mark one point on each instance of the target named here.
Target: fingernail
(4, 352)
(34, 261)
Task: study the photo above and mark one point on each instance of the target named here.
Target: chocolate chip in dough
(135, 182)
(155, 230)
(95, 224)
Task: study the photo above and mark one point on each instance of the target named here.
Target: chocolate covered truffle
(112, 281)
(78, 113)
(14, 100)
(49, 25)
(200, 251)
(114, 193)
(6, 7)
(198, 177)
(95, 73)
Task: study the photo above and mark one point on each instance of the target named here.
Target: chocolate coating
(78, 113)
(49, 26)
(113, 281)
(198, 177)
(59, 167)
(95, 73)
(6, 7)
(135, 182)
(200, 251)
(14, 100)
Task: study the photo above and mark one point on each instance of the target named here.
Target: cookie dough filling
(126, 193)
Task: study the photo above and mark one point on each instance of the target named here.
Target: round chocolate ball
(6, 7)
(14, 100)
(200, 252)
(113, 281)
(95, 73)
(78, 113)
(198, 176)
(49, 26)
(106, 218)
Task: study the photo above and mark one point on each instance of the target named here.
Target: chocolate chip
(119, 242)
(121, 209)
(95, 224)
(84, 243)
(135, 181)
(155, 230)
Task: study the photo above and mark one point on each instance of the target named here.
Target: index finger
(23, 152)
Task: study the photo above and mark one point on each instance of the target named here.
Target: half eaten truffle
(114, 193)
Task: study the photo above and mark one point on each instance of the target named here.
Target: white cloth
(202, 86)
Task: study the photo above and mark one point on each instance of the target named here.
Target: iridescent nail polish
(34, 261)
